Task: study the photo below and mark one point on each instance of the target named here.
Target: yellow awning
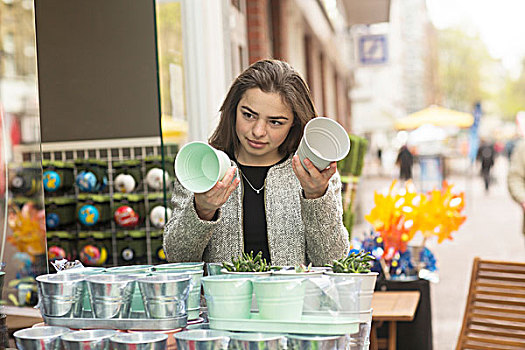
(437, 116)
(173, 130)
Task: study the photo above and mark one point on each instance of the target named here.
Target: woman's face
(263, 122)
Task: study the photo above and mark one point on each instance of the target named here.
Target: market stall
(247, 304)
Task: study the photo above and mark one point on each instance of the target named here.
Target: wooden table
(20, 317)
(392, 307)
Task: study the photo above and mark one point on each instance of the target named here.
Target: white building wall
(330, 92)
(296, 49)
(383, 93)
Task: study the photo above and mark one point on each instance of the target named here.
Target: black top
(254, 214)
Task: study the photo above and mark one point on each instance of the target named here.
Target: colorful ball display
(88, 215)
(157, 216)
(125, 183)
(52, 181)
(102, 186)
(52, 220)
(154, 178)
(86, 181)
(17, 182)
(125, 216)
(56, 253)
(93, 256)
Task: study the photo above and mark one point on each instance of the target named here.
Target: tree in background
(511, 99)
(462, 60)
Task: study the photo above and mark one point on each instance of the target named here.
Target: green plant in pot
(355, 268)
(247, 263)
(353, 263)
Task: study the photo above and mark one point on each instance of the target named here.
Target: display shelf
(21, 317)
(118, 323)
(109, 151)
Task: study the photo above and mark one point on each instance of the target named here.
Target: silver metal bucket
(316, 342)
(139, 341)
(200, 339)
(194, 297)
(61, 294)
(40, 338)
(257, 341)
(89, 339)
(110, 295)
(164, 295)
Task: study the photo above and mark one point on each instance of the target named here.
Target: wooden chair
(495, 312)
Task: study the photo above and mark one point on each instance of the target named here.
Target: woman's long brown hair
(270, 76)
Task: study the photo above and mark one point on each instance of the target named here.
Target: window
(171, 62)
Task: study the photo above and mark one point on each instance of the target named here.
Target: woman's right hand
(207, 203)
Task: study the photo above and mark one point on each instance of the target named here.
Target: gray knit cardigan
(299, 230)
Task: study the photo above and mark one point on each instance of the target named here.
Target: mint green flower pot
(280, 298)
(228, 296)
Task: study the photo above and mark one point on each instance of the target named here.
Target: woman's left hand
(313, 181)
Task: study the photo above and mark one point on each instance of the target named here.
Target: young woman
(292, 215)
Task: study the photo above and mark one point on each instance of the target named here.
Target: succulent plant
(353, 263)
(248, 263)
(303, 268)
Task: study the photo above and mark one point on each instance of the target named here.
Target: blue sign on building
(373, 49)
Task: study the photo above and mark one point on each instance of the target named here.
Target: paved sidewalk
(492, 231)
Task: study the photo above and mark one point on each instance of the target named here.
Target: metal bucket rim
(56, 278)
(137, 338)
(21, 334)
(72, 336)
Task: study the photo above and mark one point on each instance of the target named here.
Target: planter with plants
(301, 270)
(228, 296)
(247, 264)
(353, 272)
(280, 297)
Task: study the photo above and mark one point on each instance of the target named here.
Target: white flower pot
(367, 282)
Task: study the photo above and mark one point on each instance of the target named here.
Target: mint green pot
(194, 298)
(137, 305)
(214, 269)
(280, 298)
(199, 166)
(228, 296)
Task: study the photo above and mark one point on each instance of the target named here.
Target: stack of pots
(116, 293)
(202, 339)
(218, 340)
(278, 298)
(50, 337)
(366, 283)
(164, 295)
(139, 271)
(86, 271)
(195, 271)
(61, 294)
(110, 295)
(223, 271)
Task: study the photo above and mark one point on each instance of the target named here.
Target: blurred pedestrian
(509, 147)
(516, 177)
(486, 155)
(405, 160)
